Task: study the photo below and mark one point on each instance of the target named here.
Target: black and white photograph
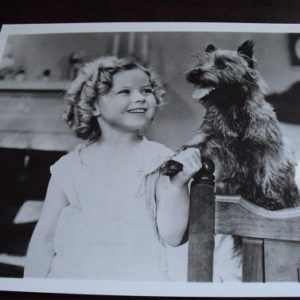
(150, 158)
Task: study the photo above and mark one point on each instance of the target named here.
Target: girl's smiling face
(130, 104)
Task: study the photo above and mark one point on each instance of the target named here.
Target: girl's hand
(191, 161)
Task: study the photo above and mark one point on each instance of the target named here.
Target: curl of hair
(94, 80)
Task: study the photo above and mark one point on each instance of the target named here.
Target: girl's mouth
(137, 111)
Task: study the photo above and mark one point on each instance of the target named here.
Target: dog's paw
(198, 138)
(171, 168)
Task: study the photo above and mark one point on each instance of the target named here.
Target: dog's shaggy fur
(240, 129)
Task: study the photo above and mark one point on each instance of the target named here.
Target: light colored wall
(171, 54)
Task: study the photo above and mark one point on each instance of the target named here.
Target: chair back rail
(236, 216)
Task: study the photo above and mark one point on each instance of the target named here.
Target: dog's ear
(246, 49)
(210, 48)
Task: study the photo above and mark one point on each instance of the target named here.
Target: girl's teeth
(137, 111)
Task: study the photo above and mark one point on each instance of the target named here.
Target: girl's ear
(96, 111)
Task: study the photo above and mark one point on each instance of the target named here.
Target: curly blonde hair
(94, 80)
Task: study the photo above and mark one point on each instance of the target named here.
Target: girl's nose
(138, 97)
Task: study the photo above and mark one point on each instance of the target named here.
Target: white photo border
(136, 288)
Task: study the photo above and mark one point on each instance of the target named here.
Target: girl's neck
(115, 136)
(119, 140)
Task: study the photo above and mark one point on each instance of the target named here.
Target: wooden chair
(271, 239)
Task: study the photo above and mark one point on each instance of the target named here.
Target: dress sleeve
(63, 172)
(162, 154)
(59, 172)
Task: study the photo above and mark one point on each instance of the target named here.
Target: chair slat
(252, 260)
(282, 260)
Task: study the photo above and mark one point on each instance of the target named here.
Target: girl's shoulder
(157, 154)
(158, 148)
(65, 170)
(68, 163)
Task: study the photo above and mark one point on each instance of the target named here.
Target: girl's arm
(41, 246)
(173, 198)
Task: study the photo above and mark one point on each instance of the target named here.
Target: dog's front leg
(172, 167)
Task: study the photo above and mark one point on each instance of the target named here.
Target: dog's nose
(193, 76)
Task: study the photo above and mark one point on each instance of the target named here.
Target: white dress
(106, 233)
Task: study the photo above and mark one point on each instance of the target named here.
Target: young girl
(108, 213)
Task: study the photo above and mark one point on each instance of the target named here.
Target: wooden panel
(32, 120)
(34, 112)
(33, 85)
(282, 260)
(236, 216)
(38, 141)
(252, 260)
(201, 233)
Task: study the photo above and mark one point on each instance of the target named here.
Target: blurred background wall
(171, 55)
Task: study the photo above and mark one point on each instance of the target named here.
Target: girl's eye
(148, 91)
(123, 92)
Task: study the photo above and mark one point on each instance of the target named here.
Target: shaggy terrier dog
(240, 129)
